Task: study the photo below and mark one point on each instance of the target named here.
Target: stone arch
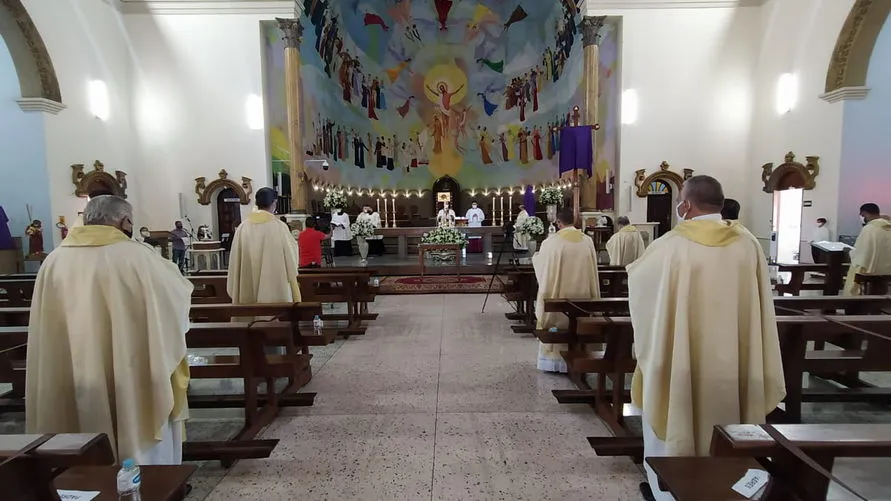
(37, 77)
(207, 191)
(98, 180)
(790, 174)
(853, 48)
(665, 174)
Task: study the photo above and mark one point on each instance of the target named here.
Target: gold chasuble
(705, 336)
(107, 345)
(625, 246)
(871, 254)
(263, 263)
(565, 267)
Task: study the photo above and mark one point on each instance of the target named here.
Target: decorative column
(590, 26)
(292, 32)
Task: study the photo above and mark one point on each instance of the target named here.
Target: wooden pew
(735, 448)
(833, 282)
(40, 464)
(16, 292)
(872, 284)
(616, 361)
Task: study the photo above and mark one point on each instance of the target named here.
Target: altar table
(402, 234)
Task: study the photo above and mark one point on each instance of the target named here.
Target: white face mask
(681, 217)
(146, 234)
(862, 220)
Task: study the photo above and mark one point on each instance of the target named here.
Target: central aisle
(435, 402)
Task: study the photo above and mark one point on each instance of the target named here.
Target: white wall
(192, 77)
(86, 41)
(692, 71)
(22, 158)
(798, 36)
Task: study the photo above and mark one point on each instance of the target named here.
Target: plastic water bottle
(317, 325)
(129, 481)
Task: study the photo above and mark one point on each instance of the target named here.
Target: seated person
(309, 242)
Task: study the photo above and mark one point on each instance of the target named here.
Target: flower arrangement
(362, 228)
(444, 235)
(551, 196)
(531, 226)
(334, 200)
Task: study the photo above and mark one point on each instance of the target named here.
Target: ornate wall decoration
(205, 191)
(34, 67)
(790, 174)
(642, 182)
(854, 46)
(98, 180)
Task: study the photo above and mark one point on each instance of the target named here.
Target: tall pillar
(590, 26)
(292, 32)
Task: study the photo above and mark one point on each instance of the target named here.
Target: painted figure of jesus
(442, 92)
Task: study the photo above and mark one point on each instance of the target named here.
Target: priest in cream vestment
(264, 259)
(705, 333)
(626, 245)
(565, 267)
(521, 240)
(872, 250)
(106, 340)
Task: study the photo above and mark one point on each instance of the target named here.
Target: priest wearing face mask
(475, 216)
(106, 339)
(341, 234)
(702, 358)
(872, 250)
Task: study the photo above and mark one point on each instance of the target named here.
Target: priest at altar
(565, 267)
(626, 245)
(264, 258)
(107, 340)
(703, 358)
(445, 216)
(475, 216)
(341, 235)
(872, 250)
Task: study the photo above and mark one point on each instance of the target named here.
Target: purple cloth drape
(6, 241)
(577, 149)
(529, 200)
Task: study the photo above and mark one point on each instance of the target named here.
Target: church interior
(440, 145)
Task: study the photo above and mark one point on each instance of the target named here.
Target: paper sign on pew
(77, 495)
(753, 481)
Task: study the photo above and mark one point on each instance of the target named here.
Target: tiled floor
(436, 401)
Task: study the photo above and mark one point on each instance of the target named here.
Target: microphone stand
(187, 259)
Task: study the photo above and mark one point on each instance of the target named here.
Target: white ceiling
(286, 7)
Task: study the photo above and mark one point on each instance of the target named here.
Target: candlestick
(502, 210)
(510, 205)
(394, 213)
(494, 212)
(378, 204)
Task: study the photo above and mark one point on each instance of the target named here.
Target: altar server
(475, 216)
(106, 339)
(341, 234)
(626, 245)
(872, 250)
(264, 259)
(565, 267)
(703, 358)
(521, 240)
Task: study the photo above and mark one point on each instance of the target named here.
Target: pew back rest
(833, 440)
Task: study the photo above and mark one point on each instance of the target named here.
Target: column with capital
(292, 33)
(590, 28)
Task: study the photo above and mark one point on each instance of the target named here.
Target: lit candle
(502, 210)
(394, 213)
(494, 212)
(510, 205)
(378, 204)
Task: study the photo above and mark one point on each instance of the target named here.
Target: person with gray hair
(107, 339)
(626, 244)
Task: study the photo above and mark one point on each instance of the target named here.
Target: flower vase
(552, 218)
(532, 245)
(363, 248)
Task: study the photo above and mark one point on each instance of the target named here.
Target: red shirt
(310, 243)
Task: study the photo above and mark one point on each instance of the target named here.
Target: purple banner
(6, 241)
(577, 149)
(529, 200)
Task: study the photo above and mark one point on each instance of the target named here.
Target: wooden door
(228, 212)
(659, 207)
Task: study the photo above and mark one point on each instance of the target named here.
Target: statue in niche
(35, 238)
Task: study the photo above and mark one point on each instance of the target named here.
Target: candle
(378, 204)
(494, 212)
(502, 210)
(510, 205)
(394, 212)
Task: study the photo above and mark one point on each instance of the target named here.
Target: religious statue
(204, 233)
(35, 238)
(63, 228)
(446, 216)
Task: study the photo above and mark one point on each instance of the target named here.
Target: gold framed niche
(98, 180)
(206, 190)
(642, 181)
(790, 174)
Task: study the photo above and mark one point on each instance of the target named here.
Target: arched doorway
(228, 212)
(659, 205)
(446, 186)
(787, 183)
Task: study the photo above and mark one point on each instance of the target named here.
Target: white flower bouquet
(444, 235)
(531, 226)
(551, 196)
(334, 200)
(362, 228)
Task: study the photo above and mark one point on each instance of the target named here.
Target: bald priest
(107, 339)
(626, 245)
(705, 332)
(264, 260)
